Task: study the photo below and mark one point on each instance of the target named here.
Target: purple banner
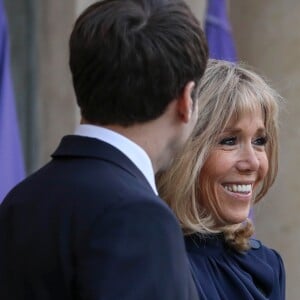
(11, 156)
(218, 31)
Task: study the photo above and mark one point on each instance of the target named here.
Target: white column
(82, 4)
(198, 7)
(56, 108)
(268, 38)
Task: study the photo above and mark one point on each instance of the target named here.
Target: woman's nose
(248, 160)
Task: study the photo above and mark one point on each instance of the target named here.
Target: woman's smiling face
(234, 169)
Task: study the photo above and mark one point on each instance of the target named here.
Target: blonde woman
(228, 165)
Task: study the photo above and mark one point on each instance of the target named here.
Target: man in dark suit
(90, 225)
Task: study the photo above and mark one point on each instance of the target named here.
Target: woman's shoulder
(257, 248)
(265, 255)
(261, 263)
(268, 259)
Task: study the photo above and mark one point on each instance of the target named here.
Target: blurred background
(265, 35)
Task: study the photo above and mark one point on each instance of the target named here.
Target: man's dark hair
(130, 58)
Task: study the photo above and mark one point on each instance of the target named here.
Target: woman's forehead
(245, 111)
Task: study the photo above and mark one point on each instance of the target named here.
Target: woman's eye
(260, 141)
(229, 141)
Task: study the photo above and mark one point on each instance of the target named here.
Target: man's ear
(185, 102)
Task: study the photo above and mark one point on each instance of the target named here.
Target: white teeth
(239, 188)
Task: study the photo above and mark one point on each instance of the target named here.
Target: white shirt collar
(133, 151)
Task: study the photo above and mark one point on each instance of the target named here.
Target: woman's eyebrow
(236, 130)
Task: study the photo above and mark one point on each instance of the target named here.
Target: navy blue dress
(222, 273)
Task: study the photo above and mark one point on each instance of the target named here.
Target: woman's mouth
(238, 188)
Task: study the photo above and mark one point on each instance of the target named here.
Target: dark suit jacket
(88, 226)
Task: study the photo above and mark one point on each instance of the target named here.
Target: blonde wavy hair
(226, 91)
